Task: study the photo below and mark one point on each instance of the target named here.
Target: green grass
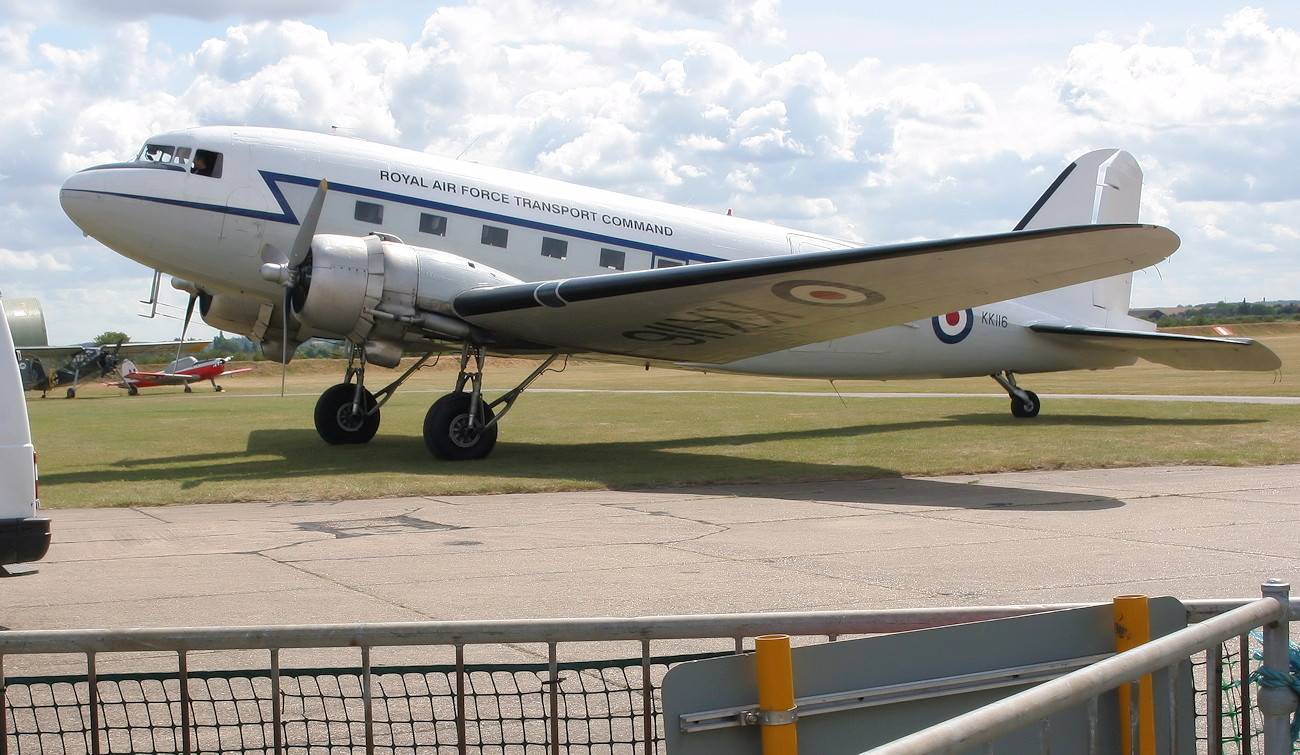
(247, 444)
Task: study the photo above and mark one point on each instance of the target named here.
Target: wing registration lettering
(710, 323)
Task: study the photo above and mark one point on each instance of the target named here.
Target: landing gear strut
(1024, 404)
(347, 412)
(461, 425)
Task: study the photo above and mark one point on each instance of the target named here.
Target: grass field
(249, 443)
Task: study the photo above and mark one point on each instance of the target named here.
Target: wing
(52, 352)
(131, 349)
(1182, 352)
(164, 378)
(725, 311)
(139, 348)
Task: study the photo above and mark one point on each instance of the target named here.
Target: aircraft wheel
(72, 393)
(337, 423)
(188, 389)
(131, 390)
(1027, 408)
(218, 388)
(447, 433)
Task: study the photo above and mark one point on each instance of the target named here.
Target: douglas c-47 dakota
(285, 235)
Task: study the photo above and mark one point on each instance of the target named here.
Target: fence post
(1276, 699)
(776, 694)
(1132, 629)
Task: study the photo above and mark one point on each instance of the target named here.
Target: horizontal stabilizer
(1175, 350)
(724, 311)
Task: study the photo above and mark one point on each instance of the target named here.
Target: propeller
(278, 267)
(189, 312)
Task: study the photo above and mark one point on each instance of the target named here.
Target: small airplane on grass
(76, 364)
(183, 371)
(291, 235)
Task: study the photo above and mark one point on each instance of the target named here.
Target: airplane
(286, 235)
(78, 363)
(181, 371)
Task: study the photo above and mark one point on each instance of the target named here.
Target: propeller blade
(189, 312)
(284, 336)
(302, 242)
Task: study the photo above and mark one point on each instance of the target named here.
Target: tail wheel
(449, 433)
(337, 420)
(1026, 407)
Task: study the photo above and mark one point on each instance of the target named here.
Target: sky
(876, 122)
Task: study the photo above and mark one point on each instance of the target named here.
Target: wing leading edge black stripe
(526, 295)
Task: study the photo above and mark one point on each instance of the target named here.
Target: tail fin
(1104, 186)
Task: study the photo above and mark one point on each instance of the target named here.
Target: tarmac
(1001, 539)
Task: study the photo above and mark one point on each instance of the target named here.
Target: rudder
(1103, 186)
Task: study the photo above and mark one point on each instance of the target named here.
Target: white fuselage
(211, 229)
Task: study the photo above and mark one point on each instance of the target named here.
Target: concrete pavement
(1191, 532)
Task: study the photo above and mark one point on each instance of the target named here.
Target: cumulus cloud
(136, 10)
(693, 102)
(30, 261)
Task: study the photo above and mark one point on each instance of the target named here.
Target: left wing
(721, 312)
(1175, 350)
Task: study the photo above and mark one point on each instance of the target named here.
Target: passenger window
(555, 248)
(206, 163)
(494, 236)
(667, 262)
(433, 224)
(369, 212)
(613, 259)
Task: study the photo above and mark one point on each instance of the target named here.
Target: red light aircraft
(182, 371)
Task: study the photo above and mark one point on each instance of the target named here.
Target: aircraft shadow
(299, 453)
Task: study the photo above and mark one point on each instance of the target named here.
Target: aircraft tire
(445, 432)
(335, 422)
(72, 393)
(131, 390)
(188, 389)
(1026, 410)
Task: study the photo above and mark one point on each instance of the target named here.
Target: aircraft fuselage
(207, 222)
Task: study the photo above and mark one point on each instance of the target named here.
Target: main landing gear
(1024, 404)
(459, 426)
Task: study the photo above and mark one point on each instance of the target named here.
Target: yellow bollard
(1133, 628)
(776, 694)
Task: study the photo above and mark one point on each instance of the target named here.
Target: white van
(24, 536)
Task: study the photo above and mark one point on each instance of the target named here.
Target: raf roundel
(954, 326)
(826, 293)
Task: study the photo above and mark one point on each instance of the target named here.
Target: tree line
(1223, 313)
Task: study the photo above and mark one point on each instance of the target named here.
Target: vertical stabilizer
(1104, 186)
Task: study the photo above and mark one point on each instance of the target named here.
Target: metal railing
(467, 637)
(1277, 703)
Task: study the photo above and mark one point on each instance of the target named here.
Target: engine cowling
(256, 319)
(231, 313)
(384, 294)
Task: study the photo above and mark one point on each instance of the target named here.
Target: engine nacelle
(256, 319)
(384, 293)
(231, 313)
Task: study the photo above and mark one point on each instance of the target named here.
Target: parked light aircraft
(284, 235)
(183, 371)
(77, 363)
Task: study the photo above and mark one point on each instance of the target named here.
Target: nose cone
(80, 194)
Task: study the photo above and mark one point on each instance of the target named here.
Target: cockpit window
(200, 162)
(206, 163)
(163, 153)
